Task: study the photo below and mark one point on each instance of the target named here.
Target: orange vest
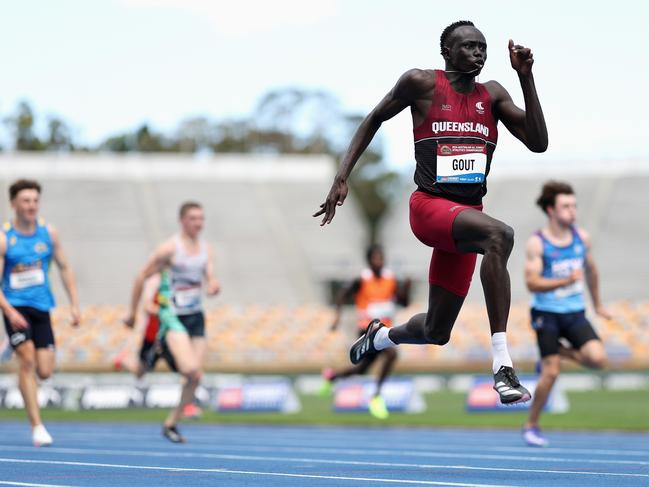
(376, 298)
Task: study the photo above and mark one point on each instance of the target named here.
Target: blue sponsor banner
(399, 394)
(261, 396)
(464, 178)
(483, 398)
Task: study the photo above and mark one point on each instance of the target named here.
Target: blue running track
(115, 454)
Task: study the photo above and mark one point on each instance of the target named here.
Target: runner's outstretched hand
(336, 197)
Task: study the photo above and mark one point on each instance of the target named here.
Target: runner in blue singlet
(559, 265)
(27, 246)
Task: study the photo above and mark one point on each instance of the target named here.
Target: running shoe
(508, 387)
(40, 436)
(192, 411)
(534, 437)
(377, 408)
(5, 351)
(364, 346)
(172, 434)
(327, 385)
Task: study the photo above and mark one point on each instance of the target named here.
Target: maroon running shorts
(431, 220)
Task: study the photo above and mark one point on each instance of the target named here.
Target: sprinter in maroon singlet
(455, 133)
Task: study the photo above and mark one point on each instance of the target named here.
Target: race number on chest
(27, 276)
(461, 163)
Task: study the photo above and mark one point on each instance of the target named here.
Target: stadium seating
(259, 338)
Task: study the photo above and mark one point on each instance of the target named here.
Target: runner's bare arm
(150, 292)
(343, 295)
(592, 277)
(534, 279)
(160, 259)
(16, 320)
(404, 93)
(527, 125)
(213, 285)
(67, 275)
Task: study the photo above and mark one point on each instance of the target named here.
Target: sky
(107, 66)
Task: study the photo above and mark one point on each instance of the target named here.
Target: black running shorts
(39, 330)
(194, 323)
(549, 327)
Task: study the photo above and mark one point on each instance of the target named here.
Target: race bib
(461, 163)
(570, 290)
(187, 297)
(26, 278)
(381, 310)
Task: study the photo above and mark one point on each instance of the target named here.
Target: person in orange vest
(376, 295)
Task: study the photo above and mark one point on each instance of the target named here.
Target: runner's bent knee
(44, 372)
(500, 239)
(190, 369)
(596, 360)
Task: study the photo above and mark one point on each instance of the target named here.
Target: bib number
(26, 278)
(187, 297)
(461, 163)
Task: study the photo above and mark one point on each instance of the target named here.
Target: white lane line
(417, 452)
(25, 484)
(209, 441)
(585, 451)
(334, 462)
(339, 451)
(430, 454)
(252, 472)
(334, 433)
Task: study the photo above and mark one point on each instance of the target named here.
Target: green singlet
(168, 319)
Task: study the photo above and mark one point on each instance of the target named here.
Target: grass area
(595, 410)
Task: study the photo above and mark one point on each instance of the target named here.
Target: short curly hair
(549, 193)
(21, 184)
(449, 30)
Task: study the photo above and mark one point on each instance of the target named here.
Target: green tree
(148, 141)
(21, 124)
(231, 136)
(375, 195)
(59, 137)
(117, 143)
(294, 120)
(194, 134)
(142, 140)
